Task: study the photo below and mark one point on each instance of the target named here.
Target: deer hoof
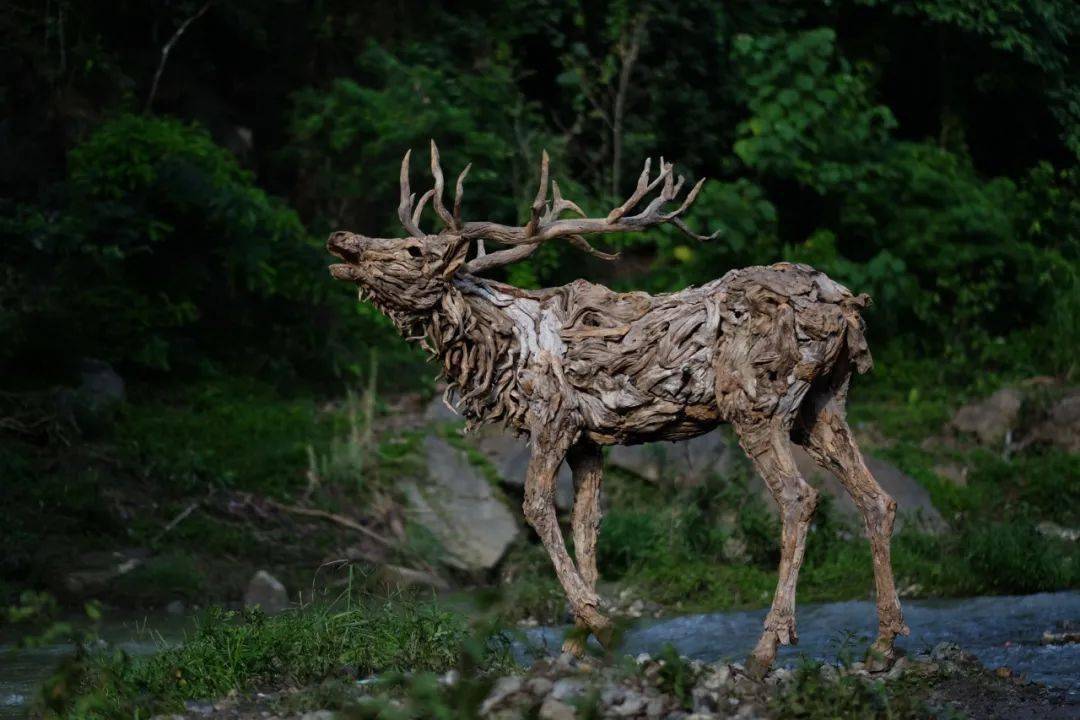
(881, 656)
(575, 643)
(757, 666)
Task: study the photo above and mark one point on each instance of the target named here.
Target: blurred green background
(172, 231)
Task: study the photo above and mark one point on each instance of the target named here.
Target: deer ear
(455, 257)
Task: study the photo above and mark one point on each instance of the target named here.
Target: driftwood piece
(769, 350)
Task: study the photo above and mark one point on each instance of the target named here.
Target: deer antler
(545, 223)
(410, 215)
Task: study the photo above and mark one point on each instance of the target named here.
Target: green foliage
(812, 117)
(1012, 557)
(677, 676)
(225, 433)
(234, 651)
(349, 137)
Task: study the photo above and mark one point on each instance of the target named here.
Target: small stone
(779, 676)
(612, 695)
(719, 677)
(539, 686)
(566, 661)
(898, 669)
(654, 708)
(266, 592)
(504, 687)
(451, 677)
(567, 689)
(946, 651)
(1004, 672)
(176, 607)
(704, 700)
(318, 715)
(632, 704)
(555, 709)
(643, 658)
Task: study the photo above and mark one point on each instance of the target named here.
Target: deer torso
(636, 367)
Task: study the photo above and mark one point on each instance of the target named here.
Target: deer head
(411, 274)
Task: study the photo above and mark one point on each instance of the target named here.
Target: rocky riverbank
(945, 683)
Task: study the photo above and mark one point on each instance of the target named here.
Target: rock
(539, 686)
(319, 715)
(176, 607)
(1060, 638)
(554, 709)
(829, 673)
(461, 509)
(1052, 529)
(568, 689)
(654, 708)
(96, 571)
(953, 472)
(510, 457)
(1061, 426)
(687, 463)
(396, 576)
(99, 383)
(630, 705)
(912, 500)
(991, 420)
(266, 592)
(504, 687)
(94, 406)
(949, 655)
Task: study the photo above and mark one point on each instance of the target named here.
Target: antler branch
(545, 224)
(545, 221)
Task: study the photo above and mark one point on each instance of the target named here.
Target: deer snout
(346, 245)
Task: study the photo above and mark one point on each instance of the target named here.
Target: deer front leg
(539, 507)
(587, 463)
(767, 445)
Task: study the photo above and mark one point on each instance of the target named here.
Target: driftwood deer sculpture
(769, 350)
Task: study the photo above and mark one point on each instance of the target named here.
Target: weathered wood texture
(769, 350)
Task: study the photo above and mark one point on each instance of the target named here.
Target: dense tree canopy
(923, 152)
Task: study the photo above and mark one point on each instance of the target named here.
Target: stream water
(1003, 630)
(998, 630)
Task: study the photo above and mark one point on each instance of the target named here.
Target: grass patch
(239, 651)
(229, 433)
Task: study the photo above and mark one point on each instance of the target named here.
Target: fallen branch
(331, 517)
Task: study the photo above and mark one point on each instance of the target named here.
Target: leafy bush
(162, 250)
(1013, 557)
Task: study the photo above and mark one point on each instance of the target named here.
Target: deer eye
(414, 251)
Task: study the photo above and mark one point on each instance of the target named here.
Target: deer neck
(482, 336)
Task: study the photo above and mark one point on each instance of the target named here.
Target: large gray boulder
(912, 499)
(1061, 426)
(686, 463)
(458, 505)
(509, 455)
(992, 419)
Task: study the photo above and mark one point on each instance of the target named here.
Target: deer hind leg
(539, 507)
(824, 432)
(768, 446)
(587, 463)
